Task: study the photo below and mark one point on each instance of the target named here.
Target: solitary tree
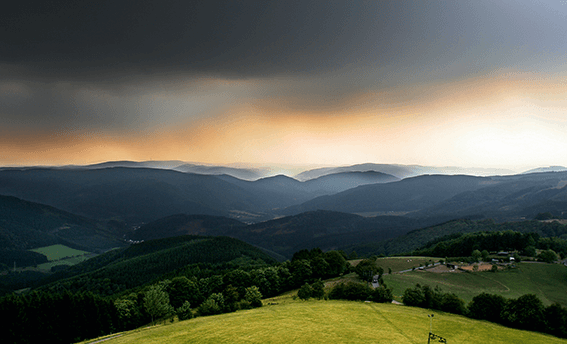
(156, 302)
(476, 254)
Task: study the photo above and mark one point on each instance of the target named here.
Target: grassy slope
(404, 263)
(547, 281)
(330, 322)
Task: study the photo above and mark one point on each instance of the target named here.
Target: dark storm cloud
(100, 63)
(112, 40)
(228, 37)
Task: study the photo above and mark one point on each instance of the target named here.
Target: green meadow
(61, 255)
(327, 322)
(56, 252)
(547, 281)
(68, 261)
(404, 263)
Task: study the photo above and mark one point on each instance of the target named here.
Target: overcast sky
(468, 83)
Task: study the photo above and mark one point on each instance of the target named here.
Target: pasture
(328, 322)
(399, 263)
(404, 263)
(61, 255)
(547, 281)
(56, 252)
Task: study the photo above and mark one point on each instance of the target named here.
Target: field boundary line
(502, 284)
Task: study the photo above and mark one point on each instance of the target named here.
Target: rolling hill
(138, 264)
(240, 173)
(324, 229)
(25, 225)
(330, 322)
(501, 197)
(417, 238)
(401, 171)
(407, 195)
(139, 194)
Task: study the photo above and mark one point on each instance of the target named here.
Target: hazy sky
(468, 83)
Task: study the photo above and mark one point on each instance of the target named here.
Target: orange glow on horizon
(464, 123)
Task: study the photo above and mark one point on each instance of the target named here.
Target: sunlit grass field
(547, 281)
(294, 321)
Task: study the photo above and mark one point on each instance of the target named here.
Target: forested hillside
(418, 238)
(184, 276)
(138, 264)
(324, 229)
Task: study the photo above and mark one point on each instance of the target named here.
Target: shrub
(525, 312)
(350, 291)
(213, 305)
(451, 303)
(184, 312)
(305, 292)
(556, 320)
(209, 307)
(487, 307)
(382, 294)
(253, 296)
(318, 290)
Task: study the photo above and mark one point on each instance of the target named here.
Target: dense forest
(418, 238)
(104, 301)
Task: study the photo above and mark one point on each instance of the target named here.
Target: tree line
(462, 245)
(527, 312)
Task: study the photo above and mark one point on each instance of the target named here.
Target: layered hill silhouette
(501, 197)
(25, 225)
(401, 171)
(407, 195)
(324, 229)
(143, 194)
(278, 213)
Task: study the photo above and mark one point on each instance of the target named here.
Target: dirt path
(102, 340)
(493, 280)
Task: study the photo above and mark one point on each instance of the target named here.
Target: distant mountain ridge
(503, 197)
(407, 195)
(401, 171)
(145, 194)
(546, 169)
